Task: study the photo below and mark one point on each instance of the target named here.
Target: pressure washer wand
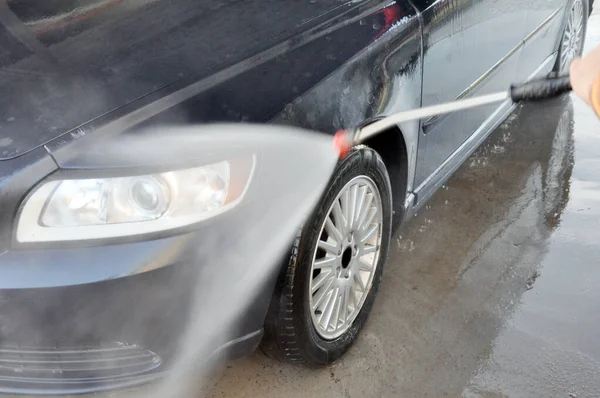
(535, 90)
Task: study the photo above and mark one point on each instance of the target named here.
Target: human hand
(585, 75)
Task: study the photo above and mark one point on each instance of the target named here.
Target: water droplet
(498, 149)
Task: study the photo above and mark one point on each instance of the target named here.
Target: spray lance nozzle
(342, 142)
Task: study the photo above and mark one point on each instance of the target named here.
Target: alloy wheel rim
(572, 41)
(345, 258)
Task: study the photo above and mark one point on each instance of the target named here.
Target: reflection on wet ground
(491, 291)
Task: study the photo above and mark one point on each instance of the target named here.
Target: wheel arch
(391, 145)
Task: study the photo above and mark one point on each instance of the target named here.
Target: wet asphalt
(493, 289)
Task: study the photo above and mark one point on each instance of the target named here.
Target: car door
(544, 26)
(471, 47)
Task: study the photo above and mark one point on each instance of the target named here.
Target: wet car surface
(93, 68)
(491, 290)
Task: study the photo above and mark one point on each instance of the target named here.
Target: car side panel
(471, 47)
(545, 23)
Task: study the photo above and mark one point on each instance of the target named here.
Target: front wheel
(327, 290)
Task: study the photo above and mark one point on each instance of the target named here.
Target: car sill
(487, 74)
(424, 191)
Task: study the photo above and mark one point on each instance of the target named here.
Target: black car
(77, 73)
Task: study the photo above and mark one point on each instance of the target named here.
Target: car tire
(296, 330)
(566, 52)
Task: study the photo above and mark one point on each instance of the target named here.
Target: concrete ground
(492, 291)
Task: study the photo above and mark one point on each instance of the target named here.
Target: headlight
(97, 208)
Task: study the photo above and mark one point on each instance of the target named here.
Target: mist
(228, 261)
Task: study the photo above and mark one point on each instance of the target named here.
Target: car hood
(66, 63)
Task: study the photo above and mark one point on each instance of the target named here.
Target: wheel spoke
(328, 247)
(579, 32)
(370, 218)
(564, 62)
(344, 201)
(321, 294)
(323, 277)
(340, 221)
(368, 250)
(325, 262)
(329, 307)
(360, 202)
(333, 231)
(578, 13)
(352, 205)
(369, 233)
(345, 304)
(358, 280)
(364, 211)
(363, 266)
(353, 297)
(336, 313)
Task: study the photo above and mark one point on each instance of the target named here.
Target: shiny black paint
(474, 48)
(364, 55)
(93, 57)
(538, 46)
(463, 42)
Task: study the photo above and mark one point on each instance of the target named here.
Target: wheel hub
(345, 257)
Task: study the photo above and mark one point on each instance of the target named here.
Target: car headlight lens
(99, 208)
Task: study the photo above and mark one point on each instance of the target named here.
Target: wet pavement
(492, 290)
